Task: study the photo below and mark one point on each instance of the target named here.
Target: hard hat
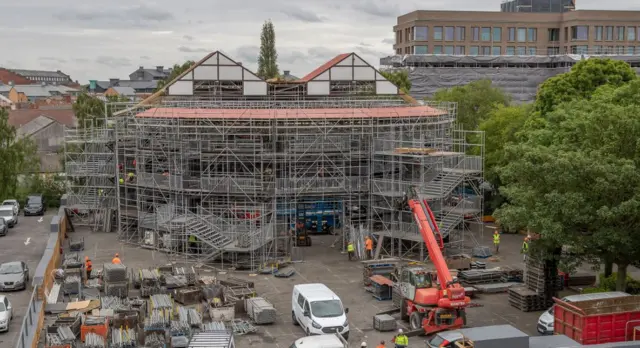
(496, 231)
(399, 330)
(364, 344)
(117, 255)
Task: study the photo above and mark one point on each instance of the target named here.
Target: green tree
(176, 71)
(18, 155)
(580, 83)
(575, 178)
(89, 110)
(475, 100)
(399, 78)
(268, 57)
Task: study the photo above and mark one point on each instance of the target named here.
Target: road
(13, 248)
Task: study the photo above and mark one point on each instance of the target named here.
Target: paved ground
(13, 248)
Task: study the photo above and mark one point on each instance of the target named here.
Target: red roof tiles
(324, 67)
(20, 117)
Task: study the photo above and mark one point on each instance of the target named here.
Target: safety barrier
(43, 280)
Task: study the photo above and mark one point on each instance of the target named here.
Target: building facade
(518, 33)
(556, 6)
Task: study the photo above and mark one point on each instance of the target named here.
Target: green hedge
(609, 284)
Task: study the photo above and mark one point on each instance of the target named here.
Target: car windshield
(10, 268)
(551, 310)
(326, 309)
(34, 201)
(7, 203)
(6, 213)
(2, 307)
(436, 341)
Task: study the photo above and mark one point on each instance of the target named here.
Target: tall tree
(475, 100)
(89, 110)
(176, 71)
(399, 78)
(18, 155)
(268, 58)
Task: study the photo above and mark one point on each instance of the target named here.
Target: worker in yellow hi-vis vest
(496, 241)
(351, 250)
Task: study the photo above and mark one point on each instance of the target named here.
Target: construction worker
(116, 259)
(351, 250)
(121, 181)
(100, 192)
(496, 240)
(525, 248)
(88, 266)
(381, 345)
(131, 176)
(368, 244)
(401, 340)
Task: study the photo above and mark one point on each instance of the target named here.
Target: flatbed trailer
(597, 321)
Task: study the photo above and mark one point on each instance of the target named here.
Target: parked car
(12, 202)
(6, 313)
(4, 228)
(445, 339)
(36, 205)
(14, 276)
(318, 310)
(9, 215)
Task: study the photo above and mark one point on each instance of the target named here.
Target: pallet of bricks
(541, 284)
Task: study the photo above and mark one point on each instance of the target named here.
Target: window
(496, 50)
(609, 34)
(301, 301)
(620, 33)
(532, 51)
(609, 50)
(511, 51)
(631, 34)
(630, 50)
(512, 34)
(475, 31)
(598, 50)
(638, 34)
(326, 309)
(437, 33)
(599, 33)
(532, 35)
(566, 34)
(474, 50)
(460, 31)
(579, 32)
(460, 50)
(554, 34)
(437, 49)
(486, 50)
(486, 34)
(420, 50)
(449, 33)
(522, 34)
(306, 307)
(553, 51)
(448, 50)
(521, 51)
(579, 49)
(421, 34)
(497, 34)
(620, 50)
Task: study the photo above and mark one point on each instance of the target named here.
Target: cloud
(389, 41)
(303, 15)
(368, 50)
(378, 8)
(188, 37)
(193, 49)
(247, 54)
(145, 57)
(113, 62)
(141, 16)
(52, 60)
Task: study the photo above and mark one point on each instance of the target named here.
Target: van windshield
(326, 309)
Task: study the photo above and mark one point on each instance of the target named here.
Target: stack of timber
(260, 310)
(481, 276)
(527, 300)
(541, 276)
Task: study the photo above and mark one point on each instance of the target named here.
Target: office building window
(475, 31)
(553, 51)
(437, 49)
(554, 34)
(620, 33)
(532, 35)
(631, 34)
(620, 50)
(420, 50)
(474, 50)
(449, 33)
(522, 34)
(460, 31)
(608, 34)
(597, 50)
(448, 50)
(486, 34)
(566, 34)
(609, 50)
(532, 51)
(486, 50)
(512, 34)
(630, 50)
(511, 51)
(521, 51)
(599, 33)
(638, 34)
(579, 33)
(437, 33)
(579, 49)
(460, 50)
(496, 50)
(421, 34)
(497, 35)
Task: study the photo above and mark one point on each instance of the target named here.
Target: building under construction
(220, 165)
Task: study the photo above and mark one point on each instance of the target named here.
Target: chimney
(160, 68)
(113, 82)
(141, 67)
(287, 72)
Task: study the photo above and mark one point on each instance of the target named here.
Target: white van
(318, 310)
(9, 214)
(321, 341)
(546, 320)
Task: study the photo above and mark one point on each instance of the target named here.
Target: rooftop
(39, 90)
(35, 125)
(41, 73)
(21, 117)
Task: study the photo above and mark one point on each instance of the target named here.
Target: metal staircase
(447, 222)
(207, 234)
(442, 185)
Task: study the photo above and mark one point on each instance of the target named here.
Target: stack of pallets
(384, 322)
(526, 300)
(542, 277)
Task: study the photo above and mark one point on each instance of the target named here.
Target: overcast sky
(103, 39)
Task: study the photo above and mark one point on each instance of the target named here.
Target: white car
(14, 203)
(6, 313)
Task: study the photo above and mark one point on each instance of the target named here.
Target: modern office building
(556, 6)
(518, 32)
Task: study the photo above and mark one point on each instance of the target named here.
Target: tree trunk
(621, 281)
(608, 268)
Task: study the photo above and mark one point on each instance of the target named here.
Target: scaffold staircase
(207, 234)
(447, 222)
(442, 185)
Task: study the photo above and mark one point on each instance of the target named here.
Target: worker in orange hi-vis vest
(368, 244)
(116, 259)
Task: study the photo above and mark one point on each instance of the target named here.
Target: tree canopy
(400, 78)
(18, 155)
(176, 71)
(268, 57)
(475, 101)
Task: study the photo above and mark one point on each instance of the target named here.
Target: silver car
(14, 203)
(14, 276)
(6, 313)
(446, 339)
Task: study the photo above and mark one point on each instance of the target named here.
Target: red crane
(434, 308)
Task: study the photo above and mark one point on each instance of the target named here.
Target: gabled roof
(39, 73)
(324, 67)
(39, 90)
(35, 125)
(20, 117)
